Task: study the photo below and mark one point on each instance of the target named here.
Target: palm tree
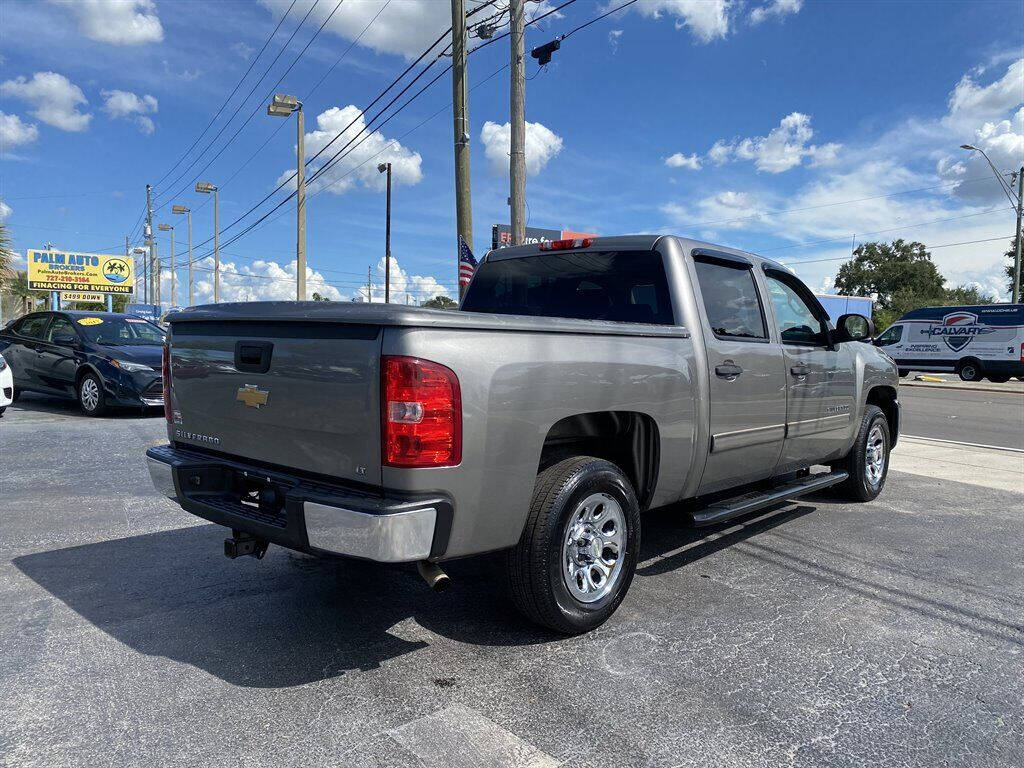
(18, 287)
(6, 254)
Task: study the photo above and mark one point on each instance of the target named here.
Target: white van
(975, 342)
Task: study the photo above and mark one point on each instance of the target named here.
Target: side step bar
(751, 502)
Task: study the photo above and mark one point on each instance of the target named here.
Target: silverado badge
(252, 396)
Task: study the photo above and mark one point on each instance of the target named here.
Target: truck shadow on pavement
(290, 619)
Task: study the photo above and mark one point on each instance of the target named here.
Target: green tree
(900, 274)
(440, 302)
(6, 254)
(1011, 254)
(318, 297)
(18, 287)
(964, 294)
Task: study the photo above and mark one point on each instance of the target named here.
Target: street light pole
(517, 125)
(463, 198)
(282, 105)
(1017, 204)
(386, 168)
(180, 209)
(206, 187)
(174, 290)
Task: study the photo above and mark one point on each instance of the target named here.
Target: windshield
(627, 286)
(119, 330)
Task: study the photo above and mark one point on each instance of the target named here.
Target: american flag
(467, 263)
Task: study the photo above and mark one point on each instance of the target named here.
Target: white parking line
(959, 442)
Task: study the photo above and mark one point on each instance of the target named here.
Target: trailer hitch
(242, 544)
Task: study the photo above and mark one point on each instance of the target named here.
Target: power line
(229, 97)
(928, 248)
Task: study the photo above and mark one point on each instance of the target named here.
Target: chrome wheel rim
(90, 394)
(874, 456)
(593, 548)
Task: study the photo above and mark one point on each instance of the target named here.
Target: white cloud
(783, 148)
(14, 132)
(971, 104)
(706, 20)
(358, 164)
(405, 288)
(679, 160)
(542, 144)
(256, 281)
(124, 104)
(5, 210)
(242, 50)
(54, 97)
(613, 39)
(120, 22)
(776, 8)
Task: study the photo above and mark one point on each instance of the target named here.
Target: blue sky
(789, 128)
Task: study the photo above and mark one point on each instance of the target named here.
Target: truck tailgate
(298, 395)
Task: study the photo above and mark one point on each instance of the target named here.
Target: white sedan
(6, 385)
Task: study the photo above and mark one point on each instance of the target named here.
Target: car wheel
(904, 372)
(868, 460)
(2, 410)
(575, 559)
(90, 395)
(970, 370)
(998, 379)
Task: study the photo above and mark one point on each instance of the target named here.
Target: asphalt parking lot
(820, 633)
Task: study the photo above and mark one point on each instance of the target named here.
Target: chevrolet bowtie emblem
(252, 396)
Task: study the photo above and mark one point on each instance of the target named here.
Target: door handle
(800, 370)
(728, 370)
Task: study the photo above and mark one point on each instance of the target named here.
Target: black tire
(998, 379)
(534, 566)
(904, 372)
(2, 410)
(859, 486)
(15, 395)
(970, 370)
(90, 406)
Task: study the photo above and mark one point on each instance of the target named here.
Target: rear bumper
(308, 515)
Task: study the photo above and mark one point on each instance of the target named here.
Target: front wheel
(576, 556)
(970, 370)
(868, 460)
(998, 379)
(90, 395)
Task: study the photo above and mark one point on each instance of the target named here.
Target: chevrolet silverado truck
(580, 383)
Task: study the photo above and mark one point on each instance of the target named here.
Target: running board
(751, 502)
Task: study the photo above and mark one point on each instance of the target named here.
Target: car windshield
(119, 330)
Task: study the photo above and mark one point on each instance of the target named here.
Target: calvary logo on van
(957, 329)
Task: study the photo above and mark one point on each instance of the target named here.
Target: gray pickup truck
(583, 382)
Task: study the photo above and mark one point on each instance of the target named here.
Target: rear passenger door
(746, 374)
(24, 350)
(821, 376)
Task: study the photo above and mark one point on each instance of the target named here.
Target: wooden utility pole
(517, 118)
(1015, 293)
(463, 202)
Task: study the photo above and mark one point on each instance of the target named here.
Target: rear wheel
(575, 559)
(904, 372)
(90, 395)
(998, 379)
(970, 370)
(868, 460)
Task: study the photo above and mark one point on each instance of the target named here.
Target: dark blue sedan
(100, 359)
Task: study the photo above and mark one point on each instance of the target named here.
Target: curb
(920, 439)
(963, 387)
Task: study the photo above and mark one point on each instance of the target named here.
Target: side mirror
(854, 328)
(65, 340)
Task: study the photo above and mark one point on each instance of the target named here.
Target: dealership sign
(85, 272)
(85, 298)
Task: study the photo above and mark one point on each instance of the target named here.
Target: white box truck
(985, 341)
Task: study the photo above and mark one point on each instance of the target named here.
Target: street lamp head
(284, 100)
(164, 227)
(140, 250)
(969, 146)
(180, 209)
(206, 187)
(381, 167)
(275, 111)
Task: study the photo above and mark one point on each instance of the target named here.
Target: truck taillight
(166, 366)
(421, 413)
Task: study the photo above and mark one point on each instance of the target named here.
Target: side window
(60, 326)
(33, 327)
(731, 300)
(891, 336)
(797, 321)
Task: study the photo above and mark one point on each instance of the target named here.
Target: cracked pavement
(818, 633)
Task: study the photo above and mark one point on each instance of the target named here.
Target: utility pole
(1016, 258)
(463, 199)
(150, 241)
(369, 285)
(386, 168)
(300, 209)
(517, 118)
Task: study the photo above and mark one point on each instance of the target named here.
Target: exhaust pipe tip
(431, 573)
